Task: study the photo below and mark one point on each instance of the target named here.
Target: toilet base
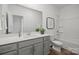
(57, 48)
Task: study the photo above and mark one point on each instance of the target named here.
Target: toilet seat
(57, 43)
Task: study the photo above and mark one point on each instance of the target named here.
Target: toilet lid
(58, 43)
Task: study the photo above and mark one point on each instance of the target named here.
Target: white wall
(48, 11)
(69, 23)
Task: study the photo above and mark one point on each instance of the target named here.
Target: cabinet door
(47, 43)
(38, 49)
(46, 47)
(26, 51)
(11, 53)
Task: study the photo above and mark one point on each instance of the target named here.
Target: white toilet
(57, 45)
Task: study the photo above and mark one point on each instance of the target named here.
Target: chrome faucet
(19, 34)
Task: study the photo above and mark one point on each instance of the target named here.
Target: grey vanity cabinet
(38, 49)
(37, 46)
(26, 51)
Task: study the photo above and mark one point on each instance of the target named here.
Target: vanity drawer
(11, 53)
(47, 38)
(25, 43)
(38, 40)
(39, 44)
(26, 51)
(7, 48)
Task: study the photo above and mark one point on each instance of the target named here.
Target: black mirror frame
(53, 25)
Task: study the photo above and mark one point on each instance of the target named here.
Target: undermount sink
(30, 34)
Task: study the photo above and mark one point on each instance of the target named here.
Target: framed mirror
(32, 19)
(50, 23)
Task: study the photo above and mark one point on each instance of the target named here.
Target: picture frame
(50, 23)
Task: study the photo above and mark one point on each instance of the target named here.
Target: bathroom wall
(69, 25)
(48, 10)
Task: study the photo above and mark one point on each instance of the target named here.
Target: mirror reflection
(23, 19)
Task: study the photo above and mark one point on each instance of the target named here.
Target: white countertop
(12, 39)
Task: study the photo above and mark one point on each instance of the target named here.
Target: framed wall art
(50, 23)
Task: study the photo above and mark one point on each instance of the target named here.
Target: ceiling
(60, 6)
